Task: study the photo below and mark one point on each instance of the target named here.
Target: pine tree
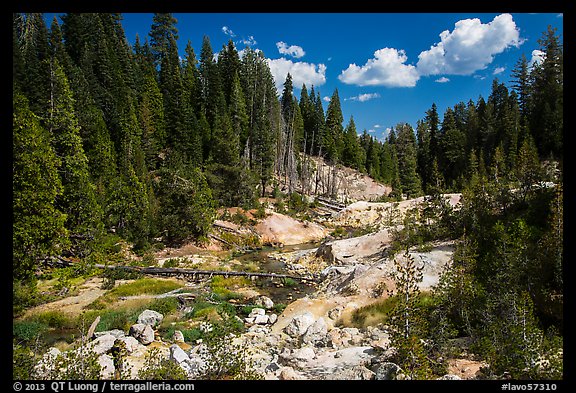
(333, 135)
(407, 325)
(78, 201)
(547, 105)
(163, 27)
(36, 55)
(38, 226)
(406, 150)
(351, 152)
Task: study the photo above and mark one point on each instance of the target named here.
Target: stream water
(280, 291)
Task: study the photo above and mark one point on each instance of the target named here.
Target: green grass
(379, 312)
(143, 286)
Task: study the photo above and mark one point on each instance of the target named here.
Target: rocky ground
(309, 339)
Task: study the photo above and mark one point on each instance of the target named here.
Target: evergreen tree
(351, 152)
(333, 135)
(36, 55)
(163, 27)
(78, 201)
(406, 150)
(547, 105)
(38, 229)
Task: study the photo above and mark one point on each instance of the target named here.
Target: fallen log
(174, 271)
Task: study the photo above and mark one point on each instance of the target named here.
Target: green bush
(28, 330)
(164, 306)
(22, 362)
(157, 367)
(54, 319)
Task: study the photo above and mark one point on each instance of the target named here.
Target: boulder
(107, 364)
(299, 324)
(316, 333)
(354, 373)
(256, 311)
(178, 336)
(264, 301)
(142, 333)
(289, 374)
(103, 344)
(178, 356)
(114, 332)
(132, 345)
(150, 317)
(261, 319)
(303, 354)
(272, 318)
(387, 371)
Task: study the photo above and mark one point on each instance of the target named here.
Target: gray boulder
(178, 336)
(114, 332)
(142, 332)
(387, 371)
(103, 344)
(299, 324)
(256, 311)
(150, 317)
(107, 364)
(132, 345)
(354, 373)
(264, 301)
(316, 333)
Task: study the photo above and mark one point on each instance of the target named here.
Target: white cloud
(242, 51)
(326, 99)
(387, 68)
(363, 97)
(248, 42)
(292, 50)
(330, 58)
(481, 77)
(377, 126)
(302, 72)
(371, 131)
(498, 70)
(560, 16)
(226, 30)
(537, 58)
(470, 47)
(442, 80)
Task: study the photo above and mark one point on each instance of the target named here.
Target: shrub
(164, 306)
(28, 330)
(157, 367)
(54, 319)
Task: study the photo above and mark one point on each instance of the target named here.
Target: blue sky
(387, 67)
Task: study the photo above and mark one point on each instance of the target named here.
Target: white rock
(272, 318)
(142, 333)
(289, 374)
(107, 364)
(132, 345)
(178, 355)
(264, 301)
(353, 373)
(261, 319)
(315, 332)
(249, 320)
(257, 311)
(449, 377)
(115, 332)
(303, 354)
(150, 317)
(102, 344)
(178, 336)
(299, 324)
